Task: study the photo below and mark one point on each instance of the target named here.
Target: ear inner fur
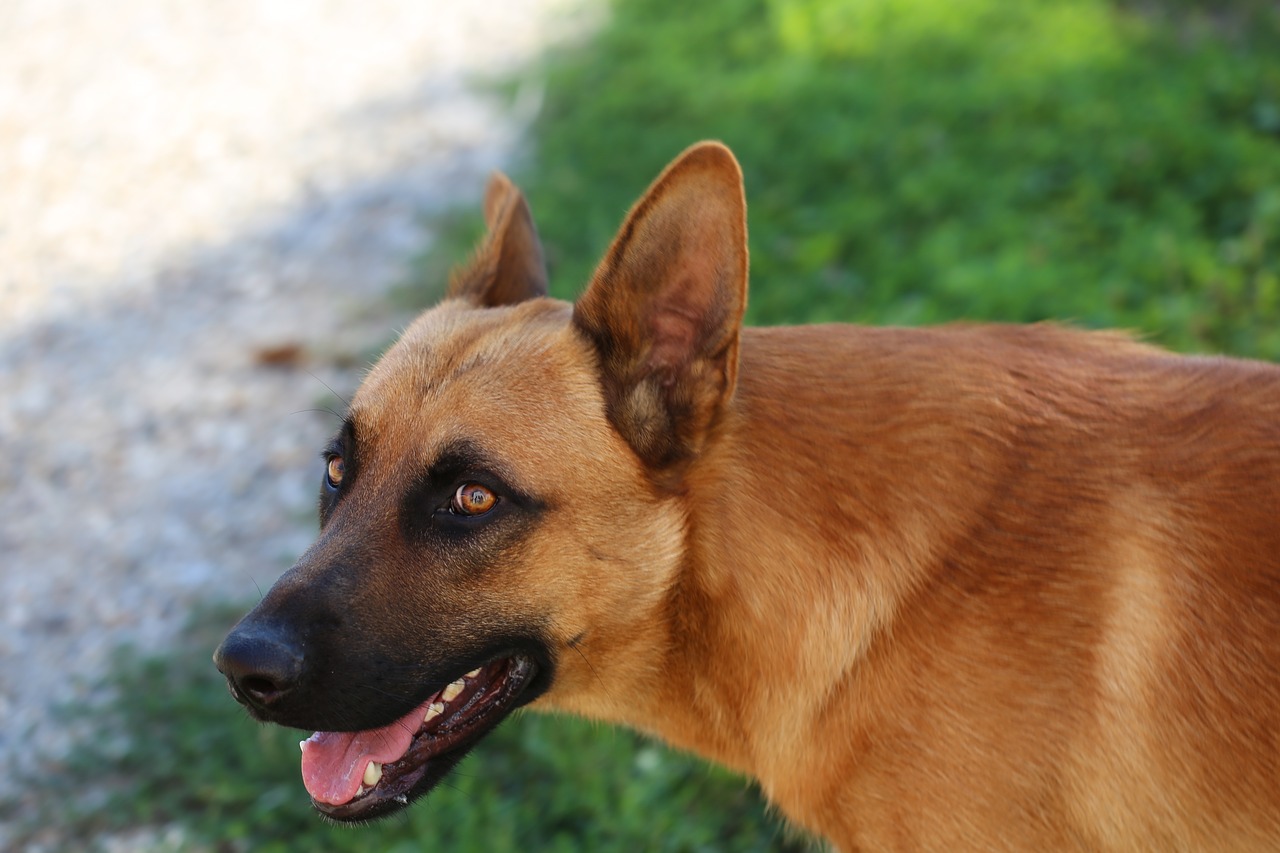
(508, 265)
(665, 307)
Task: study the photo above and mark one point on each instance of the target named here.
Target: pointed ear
(507, 267)
(665, 307)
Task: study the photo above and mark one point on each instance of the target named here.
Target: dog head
(501, 514)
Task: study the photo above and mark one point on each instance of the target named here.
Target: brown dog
(964, 588)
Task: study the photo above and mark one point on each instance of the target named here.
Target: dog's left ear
(665, 307)
(507, 267)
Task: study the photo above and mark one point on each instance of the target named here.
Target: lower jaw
(397, 794)
(422, 767)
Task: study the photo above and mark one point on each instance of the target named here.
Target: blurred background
(214, 215)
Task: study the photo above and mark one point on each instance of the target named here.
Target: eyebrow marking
(344, 440)
(463, 455)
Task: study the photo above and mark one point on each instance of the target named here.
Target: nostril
(263, 690)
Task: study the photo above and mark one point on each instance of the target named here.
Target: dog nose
(261, 667)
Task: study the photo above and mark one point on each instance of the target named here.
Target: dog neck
(797, 561)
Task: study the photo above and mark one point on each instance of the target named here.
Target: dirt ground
(189, 191)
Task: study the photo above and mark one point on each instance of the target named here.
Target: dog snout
(262, 667)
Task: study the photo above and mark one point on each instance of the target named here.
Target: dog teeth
(372, 773)
(451, 692)
(473, 673)
(302, 744)
(434, 710)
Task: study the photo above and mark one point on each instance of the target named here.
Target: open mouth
(360, 775)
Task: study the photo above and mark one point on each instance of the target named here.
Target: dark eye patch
(425, 517)
(343, 445)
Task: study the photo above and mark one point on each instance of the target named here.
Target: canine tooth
(434, 710)
(473, 673)
(302, 744)
(372, 773)
(451, 692)
(361, 791)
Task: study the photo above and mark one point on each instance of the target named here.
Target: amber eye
(334, 471)
(472, 499)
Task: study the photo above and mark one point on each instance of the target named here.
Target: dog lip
(432, 754)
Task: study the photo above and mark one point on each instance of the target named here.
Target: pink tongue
(333, 763)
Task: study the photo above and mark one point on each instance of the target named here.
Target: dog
(973, 587)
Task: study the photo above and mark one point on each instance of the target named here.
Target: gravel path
(183, 186)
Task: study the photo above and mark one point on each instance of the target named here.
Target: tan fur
(959, 588)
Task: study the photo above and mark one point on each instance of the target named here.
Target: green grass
(916, 161)
(173, 748)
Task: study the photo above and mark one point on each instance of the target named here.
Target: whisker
(320, 411)
(576, 647)
(344, 400)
